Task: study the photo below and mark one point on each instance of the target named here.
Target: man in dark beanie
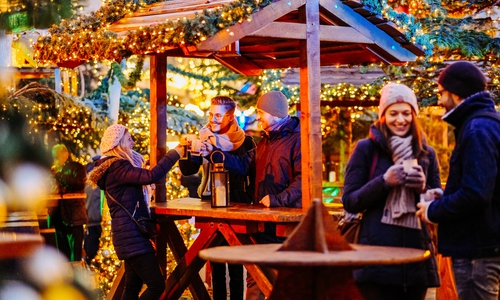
(277, 166)
(468, 213)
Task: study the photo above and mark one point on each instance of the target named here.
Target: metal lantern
(219, 178)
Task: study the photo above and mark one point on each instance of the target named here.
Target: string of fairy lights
(87, 37)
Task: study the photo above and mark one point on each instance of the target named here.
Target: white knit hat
(396, 93)
(112, 137)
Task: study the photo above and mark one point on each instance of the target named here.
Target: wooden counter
(234, 224)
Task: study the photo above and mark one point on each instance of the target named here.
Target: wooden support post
(74, 82)
(310, 116)
(65, 81)
(158, 134)
(158, 137)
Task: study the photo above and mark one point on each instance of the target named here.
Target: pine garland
(135, 75)
(87, 38)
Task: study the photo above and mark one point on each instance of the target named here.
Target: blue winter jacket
(362, 194)
(469, 212)
(124, 183)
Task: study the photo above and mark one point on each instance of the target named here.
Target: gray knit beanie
(463, 79)
(274, 103)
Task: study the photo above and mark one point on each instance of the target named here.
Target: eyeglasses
(218, 117)
(439, 93)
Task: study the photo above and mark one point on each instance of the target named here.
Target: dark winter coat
(278, 166)
(124, 183)
(237, 163)
(71, 179)
(278, 173)
(93, 200)
(369, 196)
(469, 212)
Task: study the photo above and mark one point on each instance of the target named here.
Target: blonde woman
(121, 175)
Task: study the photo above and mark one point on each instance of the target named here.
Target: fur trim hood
(101, 166)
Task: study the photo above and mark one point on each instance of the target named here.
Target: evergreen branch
(135, 75)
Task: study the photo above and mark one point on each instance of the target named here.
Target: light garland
(88, 38)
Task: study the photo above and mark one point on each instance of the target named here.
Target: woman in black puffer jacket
(121, 175)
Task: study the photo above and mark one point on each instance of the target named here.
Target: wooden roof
(349, 34)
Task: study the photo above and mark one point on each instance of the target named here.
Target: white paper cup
(195, 147)
(408, 165)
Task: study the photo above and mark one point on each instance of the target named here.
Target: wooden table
(15, 245)
(233, 224)
(315, 261)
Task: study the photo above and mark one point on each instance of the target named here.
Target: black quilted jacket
(124, 183)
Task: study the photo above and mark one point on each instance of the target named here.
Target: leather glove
(416, 179)
(395, 175)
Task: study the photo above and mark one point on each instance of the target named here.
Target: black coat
(124, 183)
(278, 173)
(469, 212)
(71, 179)
(369, 196)
(278, 170)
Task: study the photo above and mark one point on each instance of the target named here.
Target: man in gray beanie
(468, 213)
(277, 166)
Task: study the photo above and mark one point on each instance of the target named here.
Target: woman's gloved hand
(416, 179)
(395, 175)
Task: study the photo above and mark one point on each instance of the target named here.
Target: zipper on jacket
(135, 209)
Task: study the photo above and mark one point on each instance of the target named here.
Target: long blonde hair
(132, 156)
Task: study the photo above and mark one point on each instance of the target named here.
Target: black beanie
(462, 79)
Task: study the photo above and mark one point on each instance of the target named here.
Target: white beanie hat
(112, 137)
(396, 93)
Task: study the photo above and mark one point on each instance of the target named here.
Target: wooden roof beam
(298, 31)
(239, 64)
(355, 57)
(134, 22)
(366, 28)
(259, 19)
(277, 55)
(167, 7)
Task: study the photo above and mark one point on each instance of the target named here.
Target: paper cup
(408, 165)
(195, 147)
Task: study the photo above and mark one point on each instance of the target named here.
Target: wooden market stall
(285, 34)
(304, 34)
